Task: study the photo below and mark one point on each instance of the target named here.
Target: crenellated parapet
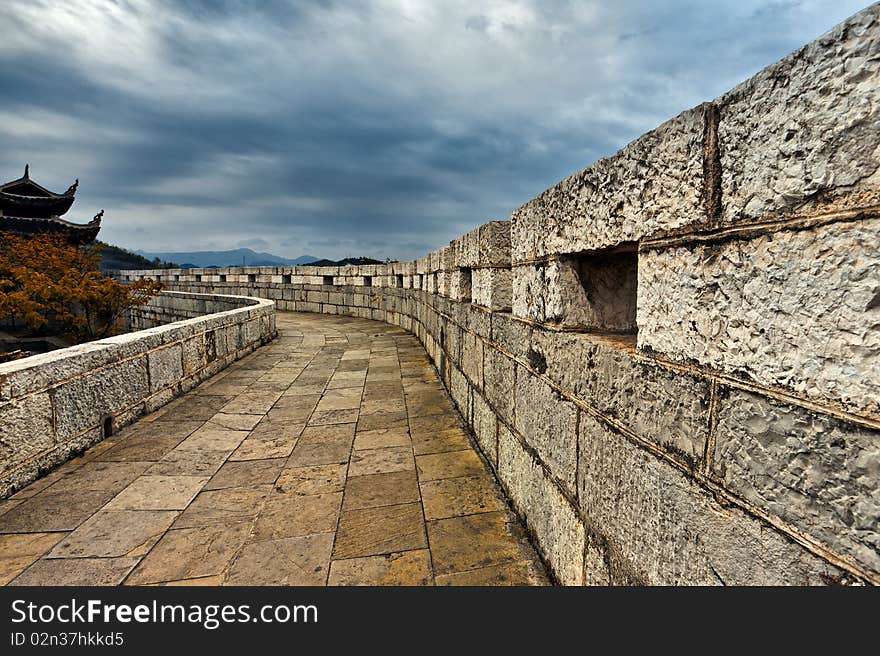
(670, 358)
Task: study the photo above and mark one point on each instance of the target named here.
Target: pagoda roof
(80, 233)
(25, 198)
(27, 188)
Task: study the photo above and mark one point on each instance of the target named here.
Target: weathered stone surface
(382, 530)
(459, 284)
(194, 354)
(246, 472)
(147, 441)
(814, 472)
(665, 407)
(654, 183)
(50, 512)
(19, 550)
(485, 429)
(796, 309)
(318, 479)
(548, 422)
(464, 495)
(189, 462)
(460, 544)
(494, 243)
(380, 438)
(512, 335)
(492, 288)
(661, 528)
(291, 561)
(449, 464)
(472, 359)
(226, 506)
(158, 493)
(384, 489)
(82, 403)
(96, 475)
(406, 568)
(805, 128)
(76, 571)
(165, 367)
(499, 383)
(449, 439)
(212, 438)
(556, 525)
(99, 536)
(379, 461)
(25, 429)
(191, 553)
(294, 515)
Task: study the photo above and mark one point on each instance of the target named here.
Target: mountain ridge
(233, 257)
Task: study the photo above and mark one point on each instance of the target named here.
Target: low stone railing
(671, 359)
(55, 405)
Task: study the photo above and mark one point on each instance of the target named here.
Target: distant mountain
(115, 258)
(237, 257)
(347, 260)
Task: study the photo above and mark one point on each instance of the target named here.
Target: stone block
(467, 249)
(814, 472)
(511, 335)
(460, 390)
(460, 285)
(805, 128)
(472, 358)
(797, 309)
(494, 244)
(659, 527)
(165, 367)
(669, 408)
(655, 183)
(485, 426)
(25, 429)
(194, 354)
(555, 524)
(82, 403)
(499, 383)
(548, 423)
(492, 288)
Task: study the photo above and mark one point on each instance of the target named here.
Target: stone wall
(670, 359)
(56, 405)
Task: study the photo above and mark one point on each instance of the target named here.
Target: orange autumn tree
(52, 286)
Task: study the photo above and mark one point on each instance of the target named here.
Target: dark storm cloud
(333, 128)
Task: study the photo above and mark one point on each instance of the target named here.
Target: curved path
(332, 455)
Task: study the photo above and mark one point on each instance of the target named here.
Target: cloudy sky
(381, 128)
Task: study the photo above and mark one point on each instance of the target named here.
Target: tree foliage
(51, 286)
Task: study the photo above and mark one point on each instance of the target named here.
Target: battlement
(670, 358)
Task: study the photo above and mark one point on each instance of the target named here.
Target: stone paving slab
(332, 456)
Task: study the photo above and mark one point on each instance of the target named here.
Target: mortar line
(750, 230)
(703, 372)
(839, 560)
(708, 463)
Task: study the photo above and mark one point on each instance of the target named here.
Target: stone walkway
(331, 456)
